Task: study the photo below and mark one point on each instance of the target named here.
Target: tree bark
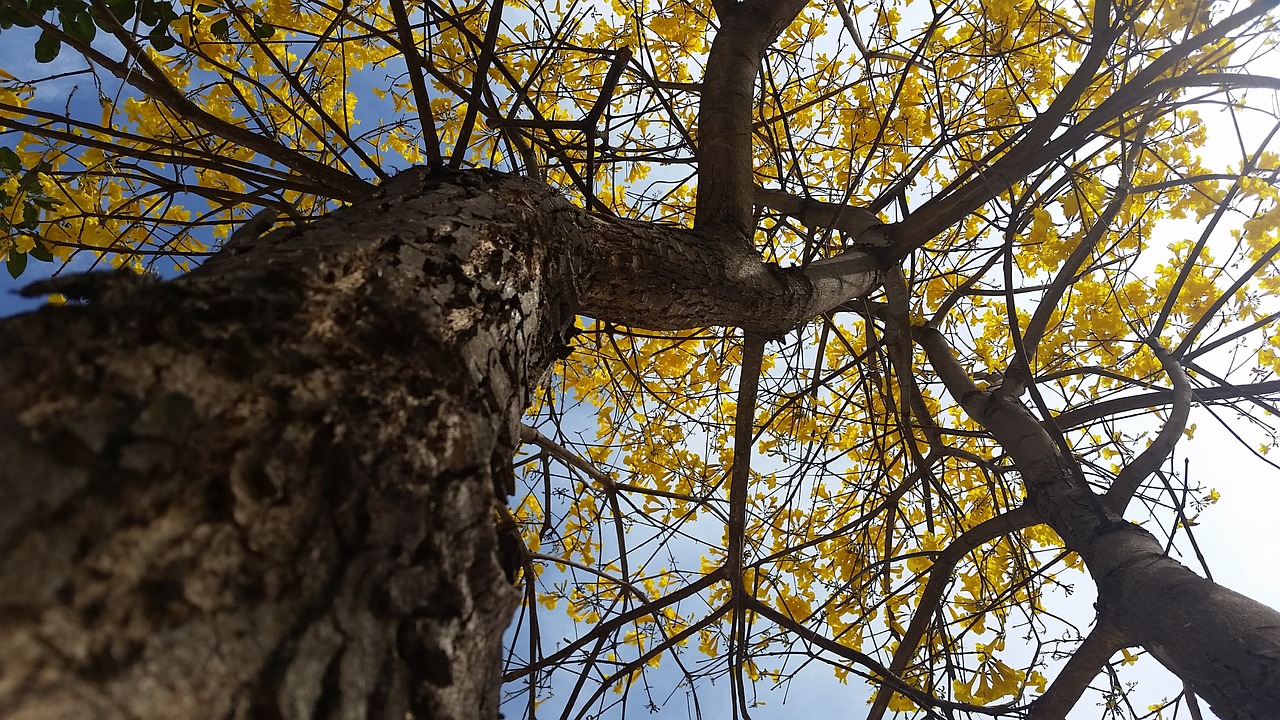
(268, 489)
(1223, 645)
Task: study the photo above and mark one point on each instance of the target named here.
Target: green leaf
(122, 9)
(160, 39)
(40, 252)
(156, 13)
(8, 16)
(47, 47)
(206, 8)
(263, 31)
(221, 30)
(9, 160)
(147, 12)
(16, 263)
(30, 217)
(79, 25)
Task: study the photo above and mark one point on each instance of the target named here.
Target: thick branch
(858, 225)
(1225, 645)
(666, 277)
(725, 157)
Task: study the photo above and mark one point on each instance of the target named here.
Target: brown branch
(565, 455)
(1081, 416)
(413, 63)
(1225, 296)
(309, 99)
(879, 673)
(857, 224)
(739, 487)
(725, 155)
(608, 627)
(1081, 668)
(477, 83)
(1035, 150)
(658, 648)
(1206, 233)
(619, 581)
(1066, 276)
(1234, 335)
(953, 375)
(156, 85)
(164, 152)
(939, 577)
(1141, 467)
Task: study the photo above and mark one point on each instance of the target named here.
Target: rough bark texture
(1225, 646)
(267, 490)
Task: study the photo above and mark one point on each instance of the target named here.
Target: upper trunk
(1225, 646)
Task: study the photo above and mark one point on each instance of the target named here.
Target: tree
(916, 264)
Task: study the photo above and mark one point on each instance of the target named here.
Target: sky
(1238, 535)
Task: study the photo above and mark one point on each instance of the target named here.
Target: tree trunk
(267, 489)
(1225, 646)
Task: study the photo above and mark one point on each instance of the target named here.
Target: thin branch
(1140, 468)
(1081, 668)
(413, 61)
(940, 576)
(879, 673)
(155, 84)
(477, 83)
(1087, 414)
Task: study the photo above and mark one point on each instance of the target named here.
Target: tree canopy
(716, 506)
